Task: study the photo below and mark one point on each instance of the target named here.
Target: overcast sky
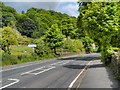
(70, 8)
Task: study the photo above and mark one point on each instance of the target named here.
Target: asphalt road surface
(45, 74)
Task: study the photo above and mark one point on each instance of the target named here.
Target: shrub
(20, 57)
(68, 44)
(73, 45)
(8, 59)
(35, 56)
(78, 45)
(42, 49)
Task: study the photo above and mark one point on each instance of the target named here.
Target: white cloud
(70, 9)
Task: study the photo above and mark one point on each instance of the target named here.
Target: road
(45, 74)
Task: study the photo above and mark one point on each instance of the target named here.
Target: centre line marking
(16, 81)
(43, 71)
(42, 68)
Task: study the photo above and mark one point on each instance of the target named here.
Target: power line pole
(61, 34)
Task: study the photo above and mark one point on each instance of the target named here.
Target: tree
(8, 19)
(23, 12)
(87, 43)
(28, 26)
(9, 37)
(67, 26)
(41, 48)
(100, 22)
(54, 38)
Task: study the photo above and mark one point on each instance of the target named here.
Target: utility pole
(61, 26)
(61, 34)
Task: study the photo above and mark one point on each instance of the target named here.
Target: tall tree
(9, 37)
(54, 38)
(67, 26)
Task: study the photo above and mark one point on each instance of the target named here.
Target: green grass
(19, 56)
(21, 50)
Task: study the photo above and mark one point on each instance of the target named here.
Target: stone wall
(115, 63)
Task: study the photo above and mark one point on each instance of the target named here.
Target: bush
(35, 56)
(8, 59)
(42, 49)
(78, 45)
(73, 45)
(20, 57)
(68, 45)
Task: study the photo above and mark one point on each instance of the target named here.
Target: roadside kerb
(72, 84)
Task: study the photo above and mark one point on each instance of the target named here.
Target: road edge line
(73, 82)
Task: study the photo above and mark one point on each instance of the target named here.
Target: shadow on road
(85, 58)
(102, 70)
(83, 66)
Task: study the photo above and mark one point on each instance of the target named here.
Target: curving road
(45, 74)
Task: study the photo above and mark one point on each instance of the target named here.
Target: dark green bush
(8, 59)
(35, 56)
(20, 57)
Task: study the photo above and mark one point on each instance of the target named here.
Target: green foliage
(68, 44)
(20, 50)
(106, 54)
(20, 57)
(87, 44)
(28, 26)
(8, 59)
(53, 37)
(100, 22)
(67, 26)
(36, 22)
(41, 48)
(9, 37)
(8, 19)
(24, 41)
(73, 45)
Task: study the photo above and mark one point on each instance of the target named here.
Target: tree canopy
(100, 21)
(53, 37)
(9, 37)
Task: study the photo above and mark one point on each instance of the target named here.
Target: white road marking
(22, 66)
(42, 68)
(33, 70)
(44, 71)
(16, 81)
(72, 83)
(64, 63)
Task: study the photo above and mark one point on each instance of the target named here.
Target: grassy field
(20, 50)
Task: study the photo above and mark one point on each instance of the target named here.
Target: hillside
(35, 22)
